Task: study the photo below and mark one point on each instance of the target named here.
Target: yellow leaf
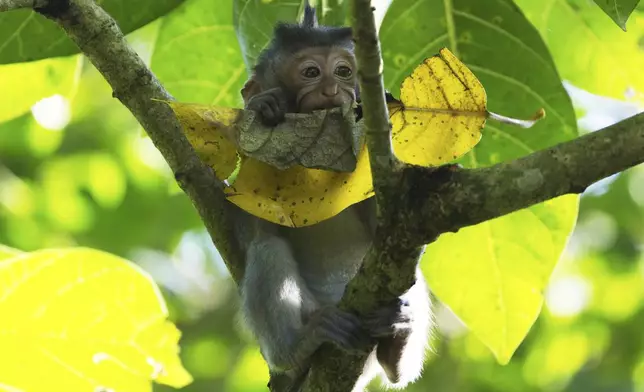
(293, 197)
(444, 110)
(442, 113)
(493, 275)
(81, 320)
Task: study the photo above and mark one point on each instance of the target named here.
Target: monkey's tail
(310, 18)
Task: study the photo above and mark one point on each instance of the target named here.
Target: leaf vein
(503, 32)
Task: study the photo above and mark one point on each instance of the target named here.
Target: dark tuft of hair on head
(310, 18)
(289, 38)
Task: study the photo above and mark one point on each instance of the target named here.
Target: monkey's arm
(282, 312)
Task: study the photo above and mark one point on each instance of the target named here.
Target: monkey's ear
(251, 88)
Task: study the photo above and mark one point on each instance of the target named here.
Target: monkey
(295, 277)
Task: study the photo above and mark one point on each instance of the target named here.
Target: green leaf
(84, 320)
(587, 48)
(335, 13)
(201, 34)
(492, 275)
(254, 22)
(30, 36)
(618, 10)
(30, 82)
(197, 56)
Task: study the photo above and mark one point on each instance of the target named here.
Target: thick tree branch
(476, 195)
(100, 39)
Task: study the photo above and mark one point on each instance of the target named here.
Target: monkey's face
(321, 78)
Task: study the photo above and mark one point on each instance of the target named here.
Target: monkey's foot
(389, 320)
(392, 325)
(341, 328)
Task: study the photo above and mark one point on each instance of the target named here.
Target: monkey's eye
(311, 72)
(343, 71)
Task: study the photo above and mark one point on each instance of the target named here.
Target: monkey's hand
(271, 105)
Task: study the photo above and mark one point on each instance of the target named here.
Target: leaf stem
(540, 114)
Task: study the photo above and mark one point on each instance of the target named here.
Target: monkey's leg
(283, 314)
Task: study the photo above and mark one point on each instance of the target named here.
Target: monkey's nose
(330, 90)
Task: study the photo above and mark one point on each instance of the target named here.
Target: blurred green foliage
(588, 48)
(76, 169)
(29, 36)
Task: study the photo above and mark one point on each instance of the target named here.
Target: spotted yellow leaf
(444, 110)
(439, 118)
(293, 197)
(85, 321)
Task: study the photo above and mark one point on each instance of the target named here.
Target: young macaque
(295, 276)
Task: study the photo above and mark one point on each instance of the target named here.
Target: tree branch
(476, 195)
(8, 5)
(99, 38)
(384, 164)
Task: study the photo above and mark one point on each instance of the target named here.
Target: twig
(384, 164)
